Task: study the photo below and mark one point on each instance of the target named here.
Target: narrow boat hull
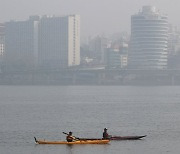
(118, 138)
(74, 142)
(127, 137)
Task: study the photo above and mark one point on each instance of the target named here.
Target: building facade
(117, 56)
(19, 45)
(149, 40)
(46, 42)
(59, 42)
(1, 40)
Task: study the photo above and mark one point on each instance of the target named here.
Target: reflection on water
(69, 149)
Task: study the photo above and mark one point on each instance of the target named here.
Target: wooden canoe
(99, 141)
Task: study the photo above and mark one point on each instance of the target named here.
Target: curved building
(149, 40)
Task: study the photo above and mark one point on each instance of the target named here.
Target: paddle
(76, 138)
(84, 139)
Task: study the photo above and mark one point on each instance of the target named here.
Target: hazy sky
(97, 16)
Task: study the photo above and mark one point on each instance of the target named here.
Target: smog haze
(97, 16)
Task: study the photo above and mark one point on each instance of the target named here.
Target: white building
(59, 42)
(149, 40)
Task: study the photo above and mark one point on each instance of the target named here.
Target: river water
(47, 111)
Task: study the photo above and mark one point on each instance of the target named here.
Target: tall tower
(149, 40)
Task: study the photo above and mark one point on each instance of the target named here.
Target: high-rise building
(1, 45)
(59, 42)
(1, 39)
(149, 40)
(47, 42)
(20, 45)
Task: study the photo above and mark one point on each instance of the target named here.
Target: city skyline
(27, 35)
(97, 17)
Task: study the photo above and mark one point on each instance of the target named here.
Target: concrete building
(1, 39)
(59, 42)
(46, 42)
(113, 58)
(117, 56)
(174, 48)
(97, 46)
(149, 40)
(174, 40)
(20, 45)
(1, 45)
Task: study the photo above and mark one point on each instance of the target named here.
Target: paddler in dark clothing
(105, 134)
(70, 138)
